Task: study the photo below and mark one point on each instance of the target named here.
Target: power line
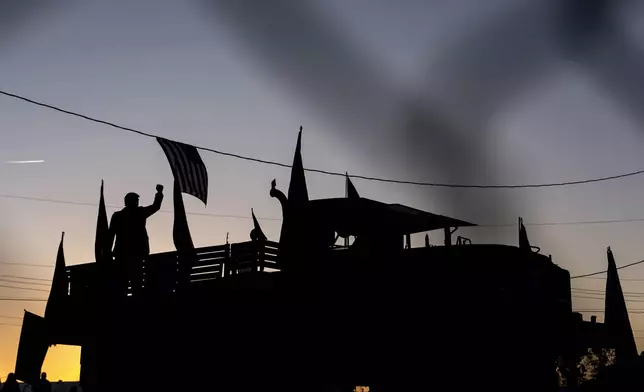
(78, 203)
(22, 282)
(620, 279)
(234, 216)
(326, 172)
(594, 291)
(23, 299)
(10, 325)
(27, 264)
(598, 298)
(22, 288)
(11, 317)
(603, 272)
(25, 277)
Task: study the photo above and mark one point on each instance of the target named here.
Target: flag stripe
(187, 168)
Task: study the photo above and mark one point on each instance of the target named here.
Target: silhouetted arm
(156, 206)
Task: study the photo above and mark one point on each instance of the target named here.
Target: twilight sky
(405, 89)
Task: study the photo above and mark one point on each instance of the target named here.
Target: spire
(351, 191)
(616, 320)
(297, 192)
(101, 246)
(58, 291)
(257, 232)
(524, 243)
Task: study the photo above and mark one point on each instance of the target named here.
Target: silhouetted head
(11, 378)
(43, 376)
(131, 200)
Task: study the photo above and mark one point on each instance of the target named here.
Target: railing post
(260, 250)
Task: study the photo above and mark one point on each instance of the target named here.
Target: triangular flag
(617, 323)
(182, 238)
(32, 348)
(102, 251)
(59, 285)
(297, 191)
(180, 230)
(351, 191)
(257, 232)
(523, 237)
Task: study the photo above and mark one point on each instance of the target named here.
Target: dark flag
(351, 191)
(102, 251)
(616, 320)
(32, 348)
(180, 230)
(187, 167)
(523, 237)
(257, 232)
(297, 191)
(58, 291)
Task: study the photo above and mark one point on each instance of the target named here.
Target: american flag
(187, 167)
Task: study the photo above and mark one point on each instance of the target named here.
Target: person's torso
(131, 233)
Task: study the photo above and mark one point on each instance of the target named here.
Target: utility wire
(10, 325)
(22, 282)
(22, 288)
(233, 216)
(603, 272)
(78, 203)
(326, 172)
(25, 278)
(11, 317)
(23, 299)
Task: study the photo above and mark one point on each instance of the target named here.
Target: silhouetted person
(11, 385)
(42, 385)
(132, 245)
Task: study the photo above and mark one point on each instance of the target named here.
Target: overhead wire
(326, 172)
(23, 299)
(603, 272)
(237, 216)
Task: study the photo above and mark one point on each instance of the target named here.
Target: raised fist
(159, 188)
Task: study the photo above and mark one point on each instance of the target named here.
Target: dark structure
(305, 313)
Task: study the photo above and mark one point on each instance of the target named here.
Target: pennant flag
(187, 167)
(182, 238)
(102, 249)
(257, 232)
(351, 191)
(58, 291)
(32, 348)
(297, 192)
(523, 237)
(180, 230)
(616, 319)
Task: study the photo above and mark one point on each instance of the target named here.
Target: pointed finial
(62, 237)
(300, 128)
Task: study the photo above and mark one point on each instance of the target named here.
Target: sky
(414, 90)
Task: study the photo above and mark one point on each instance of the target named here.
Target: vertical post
(407, 241)
(448, 236)
(227, 267)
